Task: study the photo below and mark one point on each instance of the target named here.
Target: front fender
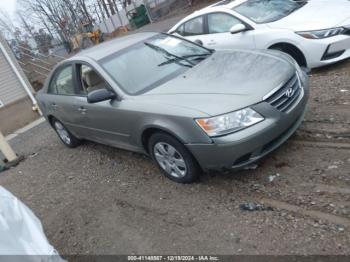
(183, 128)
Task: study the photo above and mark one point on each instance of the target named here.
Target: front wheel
(294, 53)
(173, 158)
(66, 137)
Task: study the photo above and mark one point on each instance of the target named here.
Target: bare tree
(86, 13)
(111, 6)
(28, 28)
(101, 10)
(6, 25)
(104, 5)
(64, 18)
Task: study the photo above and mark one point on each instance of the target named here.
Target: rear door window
(180, 29)
(194, 26)
(221, 22)
(62, 84)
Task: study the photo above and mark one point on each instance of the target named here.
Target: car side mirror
(238, 28)
(100, 95)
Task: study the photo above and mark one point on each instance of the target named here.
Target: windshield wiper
(176, 59)
(181, 58)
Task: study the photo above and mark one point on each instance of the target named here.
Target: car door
(219, 36)
(103, 121)
(60, 98)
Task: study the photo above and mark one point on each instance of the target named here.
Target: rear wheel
(66, 137)
(173, 158)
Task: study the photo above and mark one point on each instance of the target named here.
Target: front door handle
(82, 110)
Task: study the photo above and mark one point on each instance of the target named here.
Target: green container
(138, 17)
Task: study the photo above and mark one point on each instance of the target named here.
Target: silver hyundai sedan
(190, 108)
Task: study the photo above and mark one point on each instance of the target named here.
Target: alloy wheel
(170, 160)
(62, 132)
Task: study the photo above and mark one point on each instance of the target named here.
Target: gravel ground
(101, 200)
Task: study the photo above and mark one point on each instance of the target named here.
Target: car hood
(227, 81)
(316, 15)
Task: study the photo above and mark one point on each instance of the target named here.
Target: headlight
(319, 34)
(231, 122)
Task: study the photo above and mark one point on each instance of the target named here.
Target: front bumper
(242, 148)
(321, 52)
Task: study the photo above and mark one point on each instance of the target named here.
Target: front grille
(286, 97)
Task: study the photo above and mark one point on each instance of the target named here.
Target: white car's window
(180, 29)
(194, 27)
(221, 22)
(62, 83)
(267, 11)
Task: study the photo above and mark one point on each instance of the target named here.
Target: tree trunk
(86, 12)
(105, 7)
(111, 7)
(101, 10)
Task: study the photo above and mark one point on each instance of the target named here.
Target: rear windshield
(267, 11)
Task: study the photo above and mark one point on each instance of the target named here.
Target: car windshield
(267, 11)
(152, 62)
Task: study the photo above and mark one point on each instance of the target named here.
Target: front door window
(221, 23)
(90, 80)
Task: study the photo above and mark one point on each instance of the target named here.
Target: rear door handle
(54, 106)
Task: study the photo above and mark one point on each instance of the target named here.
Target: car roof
(227, 3)
(105, 49)
(224, 5)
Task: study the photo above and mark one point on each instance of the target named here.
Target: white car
(315, 32)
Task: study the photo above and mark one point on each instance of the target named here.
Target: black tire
(191, 170)
(70, 140)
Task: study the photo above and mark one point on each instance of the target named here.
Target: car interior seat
(93, 81)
